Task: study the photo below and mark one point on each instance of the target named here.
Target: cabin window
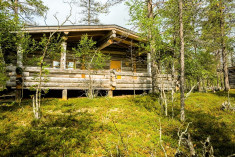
(56, 64)
(71, 65)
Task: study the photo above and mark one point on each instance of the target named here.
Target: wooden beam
(106, 44)
(111, 34)
(66, 33)
(114, 52)
(106, 40)
(125, 42)
(122, 45)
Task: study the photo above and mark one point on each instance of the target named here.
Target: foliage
(25, 10)
(90, 58)
(89, 55)
(91, 9)
(149, 28)
(121, 125)
(7, 40)
(202, 29)
(10, 25)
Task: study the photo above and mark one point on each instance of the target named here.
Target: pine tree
(26, 10)
(216, 29)
(91, 9)
(7, 25)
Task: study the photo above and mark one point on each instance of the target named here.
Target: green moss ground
(114, 126)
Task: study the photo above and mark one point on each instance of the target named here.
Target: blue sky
(118, 14)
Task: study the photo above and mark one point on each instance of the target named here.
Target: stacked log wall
(231, 76)
(133, 74)
(101, 79)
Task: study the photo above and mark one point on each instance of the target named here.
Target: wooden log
(110, 35)
(133, 86)
(232, 86)
(124, 41)
(63, 80)
(131, 74)
(118, 88)
(79, 76)
(10, 68)
(113, 52)
(52, 84)
(11, 84)
(72, 88)
(126, 69)
(134, 81)
(25, 74)
(68, 71)
(138, 70)
(106, 44)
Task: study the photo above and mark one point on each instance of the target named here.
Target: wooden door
(116, 65)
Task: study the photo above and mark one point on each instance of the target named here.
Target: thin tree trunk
(16, 8)
(172, 87)
(222, 80)
(133, 65)
(173, 83)
(218, 70)
(154, 66)
(165, 101)
(90, 89)
(182, 114)
(89, 12)
(224, 52)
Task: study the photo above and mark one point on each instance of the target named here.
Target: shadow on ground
(53, 136)
(204, 125)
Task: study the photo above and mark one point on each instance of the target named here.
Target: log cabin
(231, 77)
(127, 69)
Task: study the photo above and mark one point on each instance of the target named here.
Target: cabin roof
(104, 35)
(75, 28)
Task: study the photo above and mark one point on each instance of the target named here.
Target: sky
(118, 14)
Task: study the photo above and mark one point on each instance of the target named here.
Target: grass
(119, 126)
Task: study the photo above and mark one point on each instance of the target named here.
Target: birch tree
(91, 59)
(145, 16)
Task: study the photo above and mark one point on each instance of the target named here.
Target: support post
(65, 94)
(63, 51)
(63, 55)
(19, 73)
(110, 93)
(19, 56)
(149, 63)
